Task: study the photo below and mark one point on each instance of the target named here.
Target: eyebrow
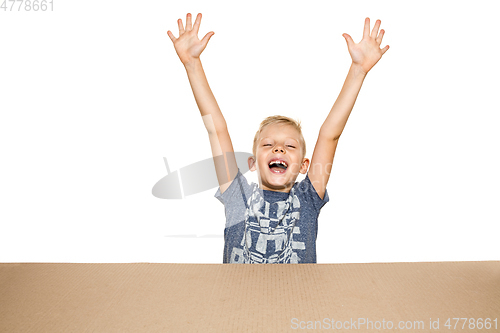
(285, 139)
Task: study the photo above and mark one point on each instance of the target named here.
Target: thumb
(385, 49)
(349, 40)
(207, 38)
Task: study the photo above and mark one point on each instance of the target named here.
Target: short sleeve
(308, 194)
(235, 199)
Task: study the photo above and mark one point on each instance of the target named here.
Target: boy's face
(278, 143)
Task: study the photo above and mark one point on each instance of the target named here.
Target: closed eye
(267, 144)
(290, 146)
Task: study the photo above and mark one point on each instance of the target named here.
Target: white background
(93, 96)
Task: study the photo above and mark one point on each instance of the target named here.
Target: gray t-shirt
(280, 227)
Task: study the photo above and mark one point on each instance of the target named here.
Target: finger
(385, 49)
(188, 22)
(181, 27)
(197, 23)
(380, 36)
(366, 31)
(171, 35)
(349, 40)
(207, 37)
(375, 29)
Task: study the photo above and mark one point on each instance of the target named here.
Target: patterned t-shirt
(268, 226)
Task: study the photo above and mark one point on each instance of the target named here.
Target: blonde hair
(279, 120)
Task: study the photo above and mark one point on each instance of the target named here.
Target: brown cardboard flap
(143, 297)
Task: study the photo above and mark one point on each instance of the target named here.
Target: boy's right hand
(188, 46)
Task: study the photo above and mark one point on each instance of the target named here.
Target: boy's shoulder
(306, 193)
(241, 188)
(239, 185)
(304, 185)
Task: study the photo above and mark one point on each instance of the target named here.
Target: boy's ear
(304, 166)
(252, 165)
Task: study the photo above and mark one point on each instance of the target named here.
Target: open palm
(188, 46)
(367, 52)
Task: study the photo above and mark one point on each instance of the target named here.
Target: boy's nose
(279, 150)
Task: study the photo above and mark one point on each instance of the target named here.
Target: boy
(275, 222)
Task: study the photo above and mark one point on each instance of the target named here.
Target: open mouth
(278, 166)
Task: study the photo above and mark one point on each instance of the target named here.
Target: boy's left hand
(367, 53)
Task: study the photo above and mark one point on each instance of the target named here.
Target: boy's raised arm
(189, 48)
(364, 56)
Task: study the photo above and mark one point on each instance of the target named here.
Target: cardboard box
(144, 297)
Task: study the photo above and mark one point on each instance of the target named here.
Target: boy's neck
(271, 190)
